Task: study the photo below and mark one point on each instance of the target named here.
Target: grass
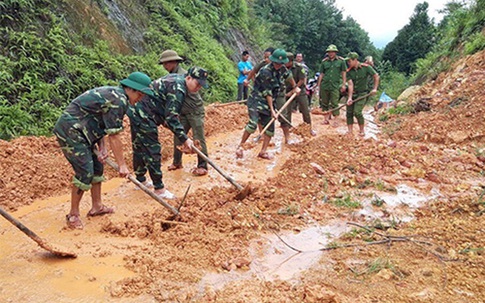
(289, 210)
(346, 201)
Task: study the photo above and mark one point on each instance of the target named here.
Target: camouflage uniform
(360, 78)
(331, 83)
(191, 117)
(163, 109)
(268, 82)
(85, 121)
(301, 100)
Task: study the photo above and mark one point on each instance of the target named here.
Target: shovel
(339, 107)
(243, 191)
(55, 251)
(273, 119)
(143, 187)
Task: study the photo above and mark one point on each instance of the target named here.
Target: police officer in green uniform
(163, 109)
(83, 125)
(358, 78)
(191, 116)
(300, 77)
(262, 110)
(332, 77)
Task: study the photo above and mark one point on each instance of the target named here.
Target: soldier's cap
(290, 56)
(169, 55)
(200, 74)
(332, 48)
(138, 81)
(352, 55)
(279, 56)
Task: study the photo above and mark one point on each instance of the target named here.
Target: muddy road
(396, 216)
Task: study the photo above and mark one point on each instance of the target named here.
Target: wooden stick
(230, 103)
(143, 187)
(273, 119)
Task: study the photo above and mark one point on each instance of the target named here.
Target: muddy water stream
(30, 274)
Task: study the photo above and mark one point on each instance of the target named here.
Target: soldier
(332, 77)
(255, 70)
(358, 76)
(83, 125)
(300, 77)
(163, 109)
(191, 116)
(266, 87)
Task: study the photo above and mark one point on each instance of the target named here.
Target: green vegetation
(290, 209)
(53, 50)
(346, 201)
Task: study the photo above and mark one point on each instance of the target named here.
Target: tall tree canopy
(413, 41)
(309, 26)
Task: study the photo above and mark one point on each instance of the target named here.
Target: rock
(391, 143)
(406, 94)
(241, 262)
(457, 136)
(317, 168)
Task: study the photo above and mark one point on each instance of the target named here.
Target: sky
(382, 19)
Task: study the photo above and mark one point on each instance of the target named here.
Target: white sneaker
(167, 195)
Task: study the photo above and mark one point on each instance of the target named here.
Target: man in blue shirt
(244, 67)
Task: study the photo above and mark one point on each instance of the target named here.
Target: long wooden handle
(277, 113)
(143, 187)
(219, 170)
(345, 104)
(230, 103)
(22, 227)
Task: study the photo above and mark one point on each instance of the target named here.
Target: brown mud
(418, 181)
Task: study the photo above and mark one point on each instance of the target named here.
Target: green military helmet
(332, 48)
(352, 55)
(279, 56)
(138, 81)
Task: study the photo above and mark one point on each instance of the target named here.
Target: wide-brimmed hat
(332, 48)
(169, 55)
(200, 74)
(279, 56)
(138, 81)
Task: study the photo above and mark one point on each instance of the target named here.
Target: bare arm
(376, 84)
(351, 91)
(117, 148)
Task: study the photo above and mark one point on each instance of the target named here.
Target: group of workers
(174, 102)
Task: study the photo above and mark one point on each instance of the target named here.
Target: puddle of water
(371, 129)
(272, 259)
(399, 207)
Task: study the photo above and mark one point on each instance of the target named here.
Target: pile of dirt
(438, 257)
(35, 168)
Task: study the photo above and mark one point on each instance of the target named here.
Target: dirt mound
(35, 168)
(438, 257)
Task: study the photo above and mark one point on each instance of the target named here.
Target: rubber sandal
(265, 155)
(199, 171)
(104, 210)
(74, 222)
(175, 166)
(166, 195)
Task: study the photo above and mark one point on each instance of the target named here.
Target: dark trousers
(242, 92)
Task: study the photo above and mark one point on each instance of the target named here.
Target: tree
(412, 42)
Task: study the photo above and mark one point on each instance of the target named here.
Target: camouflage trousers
(195, 122)
(79, 153)
(356, 110)
(146, 149)
(329, 99)
(257, 115)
